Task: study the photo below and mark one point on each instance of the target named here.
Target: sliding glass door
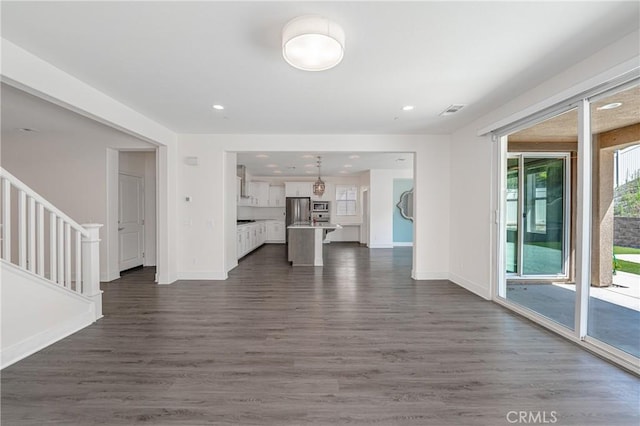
(537, 215)
(569, 209)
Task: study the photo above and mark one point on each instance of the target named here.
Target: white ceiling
(333, 163)
(172, 60)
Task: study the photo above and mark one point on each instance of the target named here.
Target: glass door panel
(543, 216)
(538, 218)
(614, 291)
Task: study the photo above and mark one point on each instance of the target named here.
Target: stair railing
(47, 242)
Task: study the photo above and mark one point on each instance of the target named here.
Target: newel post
(91, 266)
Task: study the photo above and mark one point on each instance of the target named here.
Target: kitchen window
(346, 200)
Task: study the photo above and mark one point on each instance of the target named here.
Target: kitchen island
(305, 242)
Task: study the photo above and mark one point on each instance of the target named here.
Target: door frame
(566, 237)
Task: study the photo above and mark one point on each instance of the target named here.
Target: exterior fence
(626, 231)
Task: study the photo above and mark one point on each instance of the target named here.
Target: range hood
(241, 172)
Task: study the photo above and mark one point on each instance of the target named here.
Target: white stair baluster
(22, 229)
(6, 220)
(31, 233)
(67, 255)
(78, 262)
(40, 241)
(60, 251)
(53, 247)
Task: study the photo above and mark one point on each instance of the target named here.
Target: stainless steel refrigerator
(298, 210)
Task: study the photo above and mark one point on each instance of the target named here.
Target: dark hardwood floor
(355, 342)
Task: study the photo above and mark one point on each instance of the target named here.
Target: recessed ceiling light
(218, 107)
(309, 171)
(343, 171)
(348, 165)
(612, 105)
(262, 156)
(308, 156)
(309, 165)
(407, 107)
(353, 157)
(271, 166)
(277, 172)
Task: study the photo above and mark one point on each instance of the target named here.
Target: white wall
(473, 163)
(36, 313)
(230, 211)
(201, 224)
(201, 247)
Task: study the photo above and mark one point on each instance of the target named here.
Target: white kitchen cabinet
(250, 236)
(276, 196)
(275, 231)
(298, 189)
(262, 236)
(262, 194)
(239, 245)
(246, 241)
(252, 192)
(258, 194)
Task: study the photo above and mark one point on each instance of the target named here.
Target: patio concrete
(619, 326)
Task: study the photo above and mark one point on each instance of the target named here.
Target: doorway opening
(136, 209)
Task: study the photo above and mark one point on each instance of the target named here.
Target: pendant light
(318, 186)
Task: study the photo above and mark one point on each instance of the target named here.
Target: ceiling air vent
(452, 109)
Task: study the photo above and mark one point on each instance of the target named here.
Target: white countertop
(305, 225)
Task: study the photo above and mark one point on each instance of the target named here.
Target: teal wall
(402, 228)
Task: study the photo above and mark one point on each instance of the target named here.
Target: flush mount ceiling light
(312, 43)
(218, 107)
(407, 108)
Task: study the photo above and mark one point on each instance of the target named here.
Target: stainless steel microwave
(320, 206)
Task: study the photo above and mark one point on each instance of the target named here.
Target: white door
(131, 221)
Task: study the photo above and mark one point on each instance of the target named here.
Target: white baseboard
(203, 275)
(106, 277)
(407, 244)
(473, 287)
(33, 344)
(375, 246)
(429, 275)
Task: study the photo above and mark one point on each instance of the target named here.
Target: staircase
(49, 272)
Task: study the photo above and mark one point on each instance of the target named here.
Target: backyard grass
(626, 266)
(625, 250)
